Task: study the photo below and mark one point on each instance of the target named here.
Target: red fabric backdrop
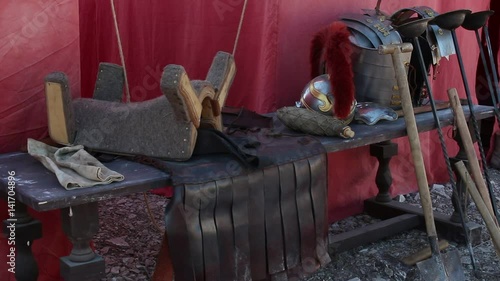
(40, 36)
(36, 37)
(272, 62)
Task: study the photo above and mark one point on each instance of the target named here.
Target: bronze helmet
(318, 96)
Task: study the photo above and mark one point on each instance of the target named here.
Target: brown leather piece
(242, 118)
(178, 240)
(192, 208)
(257, 226)
(240, 223)
(319, 197)
(305, 210)
(209, 231)
(224, 224)
(289, 213)
(274, 229)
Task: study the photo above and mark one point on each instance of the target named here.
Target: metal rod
(474, 122)
(458, 202)
(377, 8)
(493, 93)
(492, 62)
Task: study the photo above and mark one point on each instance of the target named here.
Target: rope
(239, 27)
(120, 49)
(127, 99)
(150, 214)
(160, 166)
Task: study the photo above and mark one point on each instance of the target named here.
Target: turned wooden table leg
(21, 229)
(81, 223)
(383, 151)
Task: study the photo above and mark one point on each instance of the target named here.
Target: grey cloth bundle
(73, 166)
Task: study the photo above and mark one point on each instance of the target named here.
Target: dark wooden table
(37, 188)
(385, 131)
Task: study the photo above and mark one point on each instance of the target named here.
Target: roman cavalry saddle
(164, 127)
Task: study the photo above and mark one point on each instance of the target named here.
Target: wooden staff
(481, 206)
(469, 148)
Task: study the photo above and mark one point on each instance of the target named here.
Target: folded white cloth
(73, 166)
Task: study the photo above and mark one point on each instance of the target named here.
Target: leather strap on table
(176, 227)
(235, 118)
(319, 197)
(257, 226)
(240, 213)
(224, 223)
(214, 142)
(209, 231)
(192, 210)
(274, 230)
(289, 212)
(305, 211)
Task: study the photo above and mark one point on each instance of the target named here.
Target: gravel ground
(382, 260)
(129, 241)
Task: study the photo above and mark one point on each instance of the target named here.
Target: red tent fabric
(272, 61)
(482, 90)
(40, 36)
(37, 36)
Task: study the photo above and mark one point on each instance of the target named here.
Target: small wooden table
(37, 188)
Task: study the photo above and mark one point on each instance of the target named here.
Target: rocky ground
(127, 238)
(129, 241)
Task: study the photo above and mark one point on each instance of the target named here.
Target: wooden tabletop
(384, 130)
(39, 189)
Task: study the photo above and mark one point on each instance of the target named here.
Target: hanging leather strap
(211, 141)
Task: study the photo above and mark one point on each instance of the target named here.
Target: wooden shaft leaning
(412, 131)
(469, 148)
(481, 206)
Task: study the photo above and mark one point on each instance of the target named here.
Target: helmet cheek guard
(435, 43)
(440, 41)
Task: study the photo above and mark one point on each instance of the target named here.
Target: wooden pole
(481, 206)
(469, 148)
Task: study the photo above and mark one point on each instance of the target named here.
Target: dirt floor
(129, 241)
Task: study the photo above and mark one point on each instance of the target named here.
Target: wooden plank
(373, 232)
(450, 230)
(38, 188)
(384, 130)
